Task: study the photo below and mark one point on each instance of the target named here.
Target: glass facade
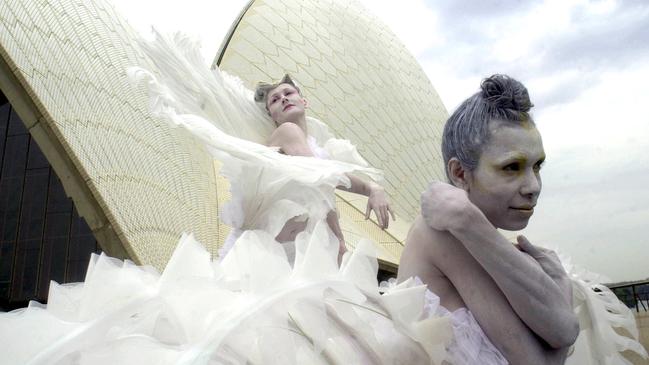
(42, 237)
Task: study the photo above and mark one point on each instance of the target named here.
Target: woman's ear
(458, 174)
(305, 102)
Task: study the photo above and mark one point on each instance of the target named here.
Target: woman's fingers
(526, 246)
(548, 259)
(382, 212)
(372, 206)
(385, 216)
(394, 217)
(377, 212)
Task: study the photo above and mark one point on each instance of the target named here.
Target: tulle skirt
(252, 307)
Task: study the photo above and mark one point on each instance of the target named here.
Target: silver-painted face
(507, 182)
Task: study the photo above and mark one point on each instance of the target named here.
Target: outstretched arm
(292, 140)
(533, 293)
(377, 199)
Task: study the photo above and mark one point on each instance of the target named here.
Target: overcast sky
(586, 66)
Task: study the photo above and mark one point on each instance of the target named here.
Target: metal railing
(634, 295)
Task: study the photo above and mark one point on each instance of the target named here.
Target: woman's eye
(538, 166)
(512, 167)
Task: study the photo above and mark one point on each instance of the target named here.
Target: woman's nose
(532, 184)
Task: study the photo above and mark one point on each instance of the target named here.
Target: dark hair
(263, 88)
(501, 98)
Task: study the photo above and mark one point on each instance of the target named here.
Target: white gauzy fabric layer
(267, 188)
(602, 317)
(237, 210)
(470, 345)
(184, 83)
(271, 187)
(200, 311)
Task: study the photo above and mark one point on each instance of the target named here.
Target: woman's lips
(523, 210)
(287, 106)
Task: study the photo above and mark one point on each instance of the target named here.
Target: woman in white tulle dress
(286, 106)
(518, 297)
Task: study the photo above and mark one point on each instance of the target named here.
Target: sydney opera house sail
(139, 183)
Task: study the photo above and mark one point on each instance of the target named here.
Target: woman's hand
(550, 263)
(443, 206)
(377, 201)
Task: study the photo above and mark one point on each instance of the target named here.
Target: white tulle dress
(254, 304)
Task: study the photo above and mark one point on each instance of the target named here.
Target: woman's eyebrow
(513, 156)
(519, 157)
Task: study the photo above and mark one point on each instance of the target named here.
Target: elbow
(567, 335)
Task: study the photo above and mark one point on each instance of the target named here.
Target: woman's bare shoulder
(429, 241)
(287, 132)
(291, 140)
(425, 249)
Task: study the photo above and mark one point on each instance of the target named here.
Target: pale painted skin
(519, 294)
(288, 109)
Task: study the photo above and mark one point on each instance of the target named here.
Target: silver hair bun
(504, 92)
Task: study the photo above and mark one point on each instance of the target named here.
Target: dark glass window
(4, 123)
(11, 190)
(30, 234)
(56, 236)
(36, 159)
(16, 125)
(42, 238)
(82, 244)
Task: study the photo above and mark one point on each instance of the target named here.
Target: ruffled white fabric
(318, 152)
(235, 211)
(270, 187)
(200, 311)
(267, 188)
(601, 317)
(470, 345)
(184, 85)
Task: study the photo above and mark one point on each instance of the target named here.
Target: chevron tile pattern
(138, 183)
